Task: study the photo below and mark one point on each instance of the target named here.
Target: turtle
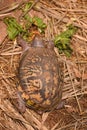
(40, 76)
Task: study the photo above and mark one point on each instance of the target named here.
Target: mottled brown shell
(40, 78)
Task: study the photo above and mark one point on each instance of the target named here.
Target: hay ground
(56, 14)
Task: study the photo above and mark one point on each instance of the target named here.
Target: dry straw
(56, 14)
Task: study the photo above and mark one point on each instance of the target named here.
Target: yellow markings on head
(25, 96)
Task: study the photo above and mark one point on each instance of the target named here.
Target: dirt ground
(57, 14)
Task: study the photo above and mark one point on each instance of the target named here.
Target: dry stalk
(74, 89)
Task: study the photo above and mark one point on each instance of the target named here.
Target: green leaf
(27, 6)
(62, 41)
(28, 21)
(39, 22)
(13, 27)
(36, 21)
(28, 18)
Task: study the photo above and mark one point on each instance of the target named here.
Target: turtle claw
(22, 43)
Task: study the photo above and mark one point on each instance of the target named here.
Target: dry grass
(57, 14)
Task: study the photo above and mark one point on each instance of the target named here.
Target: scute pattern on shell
(40, 78)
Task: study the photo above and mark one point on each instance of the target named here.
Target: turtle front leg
(18, 102)
(22, 43)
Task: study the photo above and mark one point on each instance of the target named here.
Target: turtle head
(37, 42)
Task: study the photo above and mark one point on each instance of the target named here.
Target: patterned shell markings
(40, 79)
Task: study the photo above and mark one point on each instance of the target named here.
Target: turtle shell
(40, 79)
